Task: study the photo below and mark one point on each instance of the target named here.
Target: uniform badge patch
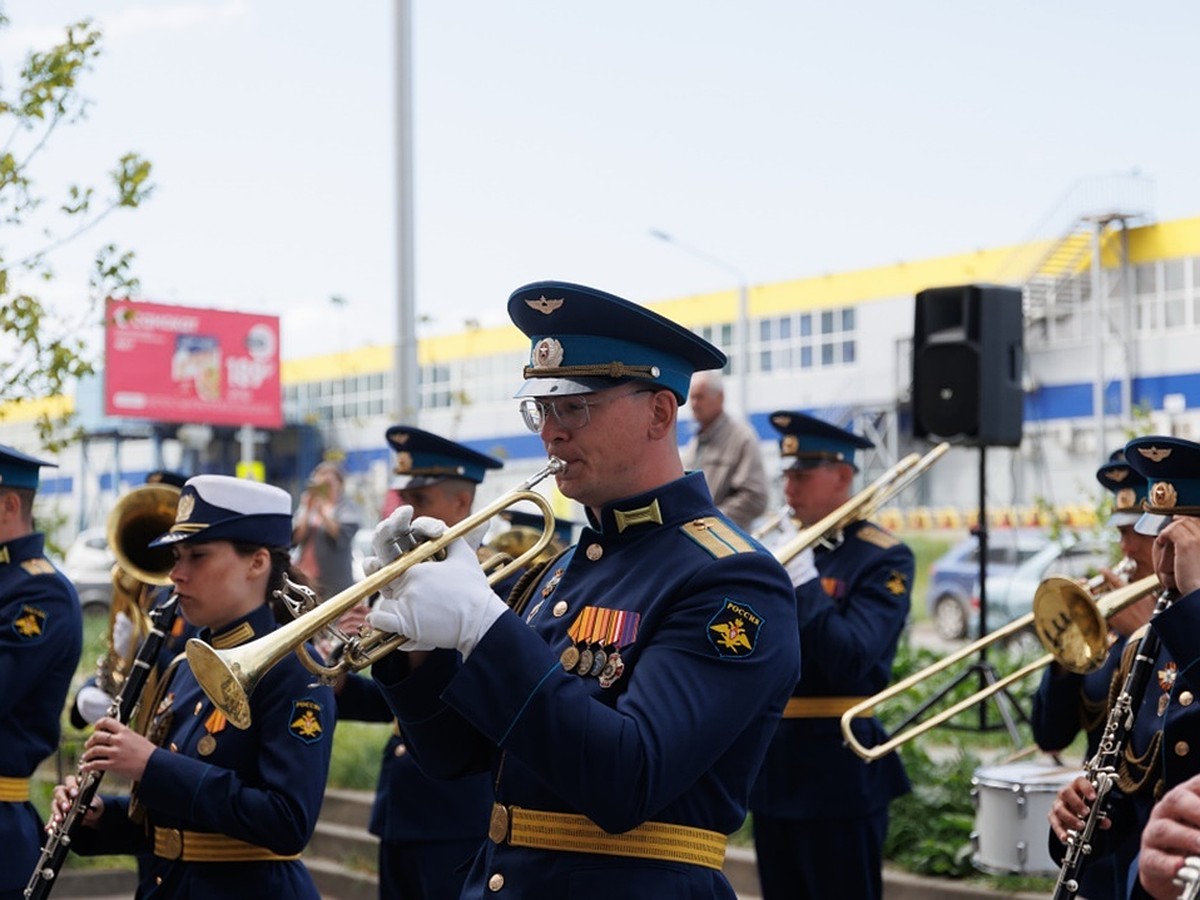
(896, 583)
(30, 624)
(305, 724)
(38, 566)
(734, 630)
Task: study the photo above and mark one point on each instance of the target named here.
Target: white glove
(801, 568)
(441, 603)
(122, 635)
(397, 532)
(92, 703)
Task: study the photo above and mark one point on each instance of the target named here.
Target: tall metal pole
(742, 325)
(1098, 327)
(405, 401)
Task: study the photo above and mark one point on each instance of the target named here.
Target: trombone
(1069, 623)
(864, 504)
(230, 676)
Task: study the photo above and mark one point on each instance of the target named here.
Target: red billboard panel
(180, 364)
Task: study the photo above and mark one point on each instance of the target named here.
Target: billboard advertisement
(181, 364)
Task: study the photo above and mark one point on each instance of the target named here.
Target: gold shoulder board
(37, 566)
(877, 536)
(717, 537)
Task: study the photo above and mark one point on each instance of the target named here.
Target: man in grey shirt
(726, 451)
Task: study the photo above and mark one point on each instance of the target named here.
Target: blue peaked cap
(427, 458)
(810, 442)
(1128, 488)
(1171, 465)
(585, 340)
(19, 470)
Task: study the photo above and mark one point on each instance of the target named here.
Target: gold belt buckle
(172, 843)
(498, 826)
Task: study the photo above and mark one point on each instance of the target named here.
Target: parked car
(89, 565)
(1010, 597)
(951, 600)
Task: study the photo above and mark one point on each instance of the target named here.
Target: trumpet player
(1158, 752)
(623, 704)
(224, 812)
(820, 812)
(428, 828)
(41, 637)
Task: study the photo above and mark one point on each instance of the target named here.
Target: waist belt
(200, 846)
(579, 834)
(822, 707)
(13, 790)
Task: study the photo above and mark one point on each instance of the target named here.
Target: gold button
(1182, 748)
(174, 747)
(158, 879)
(199, 706)
(594, 552)
(1186, 698)
(560, 609)
(400, 750)
(496, 882)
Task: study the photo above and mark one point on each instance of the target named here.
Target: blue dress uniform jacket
(850, 622)
(263, 786)
(412, 808)
(707, 653)
(1066, 703)
(41, 636)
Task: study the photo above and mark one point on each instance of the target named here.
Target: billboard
(181, 364)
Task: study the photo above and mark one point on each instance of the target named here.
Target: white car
(89, 565)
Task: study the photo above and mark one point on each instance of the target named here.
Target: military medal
(599, 662)
(585, 662)
(206, 745)
(569, 658)
(213, 725)
(613, 670)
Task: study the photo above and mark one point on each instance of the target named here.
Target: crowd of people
(607, 719)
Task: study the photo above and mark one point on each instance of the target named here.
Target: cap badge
(1163, 495)
(790, 445)
(547, 353)
(1155, 454)
(401, 438)
(404, 463)
(187, 505)
(781, 421)
(544, 305)
(1118, 475)
(1126, 498)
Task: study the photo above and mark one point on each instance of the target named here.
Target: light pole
(742, 337)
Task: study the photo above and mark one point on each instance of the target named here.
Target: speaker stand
(1006, 704)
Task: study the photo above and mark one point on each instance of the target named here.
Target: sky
(773, 139)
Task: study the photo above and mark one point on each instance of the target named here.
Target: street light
(742, 338)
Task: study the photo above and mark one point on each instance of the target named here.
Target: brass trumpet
(864, 504)
(1071, 625)
(230, 676)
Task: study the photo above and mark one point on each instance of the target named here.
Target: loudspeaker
(967, 365)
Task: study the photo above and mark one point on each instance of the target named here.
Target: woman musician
(224, 812)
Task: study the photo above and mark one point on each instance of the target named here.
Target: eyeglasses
(570, 412)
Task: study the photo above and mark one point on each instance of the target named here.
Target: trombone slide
(1067, 623)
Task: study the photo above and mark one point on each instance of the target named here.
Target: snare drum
(1012, 808)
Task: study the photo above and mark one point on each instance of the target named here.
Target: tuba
(137, 518)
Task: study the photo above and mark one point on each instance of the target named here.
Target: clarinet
(1101, 769)
(1188, 878)
(123, 707)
